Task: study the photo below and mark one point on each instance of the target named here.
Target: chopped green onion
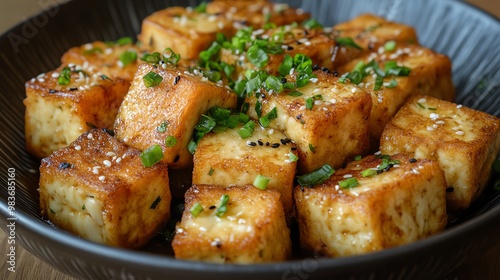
(201, 8)
(349, 183)
(152, 79)
(243, 118)
(196, 209)
(153, 58)
(211, 171)
(348, 42)
(124, 41)
(357, 158)
(316, 177)
(261, 182)
(93, 51)
(171, 57)
(104, 77)
(64, 76)
(292, 157)
(420, 105)
(295, 93)
(257, 56)
(213, 50)
(311, 147)
(170, 141)
(390, 45)
(392, 84)
(379, 80)
(162, 127)
(286, 65)
(368, 172)
(223, 205)
(266, 120)
(392, 68)
(309, 103)
(128, 57)
(155, 203)
(258, 108)
(247, 130)
(152, 155)
(273, 83)
(206, 124)
(312, 24)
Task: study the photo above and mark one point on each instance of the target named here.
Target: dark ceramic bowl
(470, 37)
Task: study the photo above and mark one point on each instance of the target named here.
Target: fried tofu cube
(332, 131)
(464, 142)
(317, 44)
(115, 60)
(252, 229)
(59, 109)
(351, 214)
(149, 115)
(256, 13)
(184, 30)
(97, 188)
(371, 32)
(225, 159)
(430, 74)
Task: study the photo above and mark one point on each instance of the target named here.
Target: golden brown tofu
(370, 31)
(252, 229)
(57, 113)
(257, 13)
(317, 44)
(97, 188)
(149, 115)
(225, 159)
(332, 131)
(185, 31)
(464, 142)
(351, 214)
(430, 74)
(115, 60)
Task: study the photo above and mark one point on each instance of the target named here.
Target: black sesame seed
(260, 143)
(298, 43)
(176, 159)
(283, 141)
(275, 145)
(450, 189)
(299, 116)
(335, 73)
(290, 48)
(262, 95)
(212, 207)
(315, 67)
(250, 143)
(218, 244)
(52, 91)
(73, 89)
(324, 69)
(64, 165)
(306, 33)
(413, 160)
(283, 80)
(293, 148)
(267, 143)
(176, 80)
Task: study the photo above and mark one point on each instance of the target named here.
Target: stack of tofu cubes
(434, 158)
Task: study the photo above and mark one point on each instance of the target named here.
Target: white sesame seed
(318, 102)
(333, 100)
(220, 25)
(271, 131)
(354, 193)
(380, 50)
(337, 187)
(459, 106)
(378, 153)
(78, 147)
(302, 108)
(102, 178)
(108, 51)
(55, 75)
(325, 109)
(353, 90)
(335, 90)
(110, 154)
(203, 229)
(41, 80)
(90, 136)
(118, 160)
(414, 171)
(429, 128)
(434, 116)
(313, 80)
(316, 90)
(460, 132)
(440, 122)
(291, 71)
(308, 43)
(422, 100)
(396, 165)
(347, 176)
(107, 163)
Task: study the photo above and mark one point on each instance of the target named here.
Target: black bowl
(470, 37)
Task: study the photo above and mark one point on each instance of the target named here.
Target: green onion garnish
(390, 45)
(348, 42)
(128, 57)
(64, 76)
(368, 172)
(223, 205)
(211, 171)
(171, 57)
(357, 158)
(152, 155)
(162, 127)
(266, 120)
(152, 79)
(392, 84)
(286, 65)
(196, 209)
(155, 203)
(316, 177)
(349, 183)
(311, 147)
(93, 51)
(124, 41)
(261, 182)
(153, 58)
(170, 141)
(309, 103)
(295, 93)
(201, 8)
(257, 56)
(247, 130)
(292, 157)
(273, 83)
(312, 24)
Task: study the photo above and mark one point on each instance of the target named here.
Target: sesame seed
(78, 147)
(414, 171)
(302, 108)
(413, 160)
(313, 80)
(440, 122)
(429, 128)
(353, 90)
(250, 143)
(459, 106)
(434, 116)
(102, 178)
(275, 145)
(347, 176)
(291, 71)
(118, 160)
(460, 132)
(90, 136)
(107, 163)
(318, 102)
(271, 131)
(422, 100)
(378, 153)
(110, 154)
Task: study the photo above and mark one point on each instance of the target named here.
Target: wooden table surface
(486, 267)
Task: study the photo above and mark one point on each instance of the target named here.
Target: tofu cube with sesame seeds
(172, 108)
(256, 13)
(371, 32)
(249, 228)
(430, 74)
(359, 210)
(64, 103)
(464, 142)
(184, 30)
(98, 189)
(316, 43)
(225, 159)
(114, 59)
(327, 122)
